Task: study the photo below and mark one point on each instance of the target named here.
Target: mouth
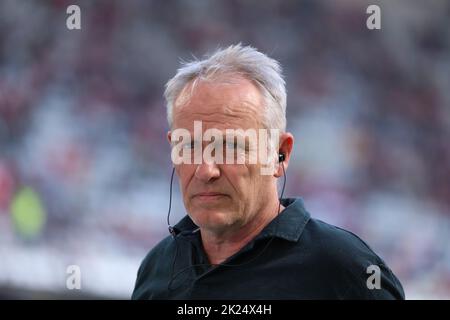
(209, 196)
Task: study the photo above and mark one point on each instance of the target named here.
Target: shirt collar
(288, 225)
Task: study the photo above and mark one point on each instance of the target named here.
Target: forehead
(226, 103)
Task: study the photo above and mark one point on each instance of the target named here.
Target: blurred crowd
(84, 162)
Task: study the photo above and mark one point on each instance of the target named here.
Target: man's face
(220, 197)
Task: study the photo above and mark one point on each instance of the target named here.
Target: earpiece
(281, 157)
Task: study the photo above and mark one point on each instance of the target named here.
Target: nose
(207, 172)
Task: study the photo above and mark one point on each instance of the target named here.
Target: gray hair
(246, 61)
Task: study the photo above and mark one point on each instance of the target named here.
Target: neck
(219, 247)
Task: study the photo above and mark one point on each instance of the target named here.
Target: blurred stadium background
(84, 163)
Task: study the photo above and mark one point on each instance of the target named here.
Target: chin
(211, 218)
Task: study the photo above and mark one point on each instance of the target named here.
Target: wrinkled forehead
(231, 102)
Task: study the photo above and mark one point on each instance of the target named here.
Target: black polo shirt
(294, 257)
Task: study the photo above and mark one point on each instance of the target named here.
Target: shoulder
(344, 260)
(157, 259)
(161, 249)
(336, 243)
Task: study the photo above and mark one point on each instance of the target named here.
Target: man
(238, 240)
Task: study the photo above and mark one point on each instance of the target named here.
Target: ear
(285, 147)
(169, 139)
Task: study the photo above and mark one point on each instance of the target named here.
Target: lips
(209, 195)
